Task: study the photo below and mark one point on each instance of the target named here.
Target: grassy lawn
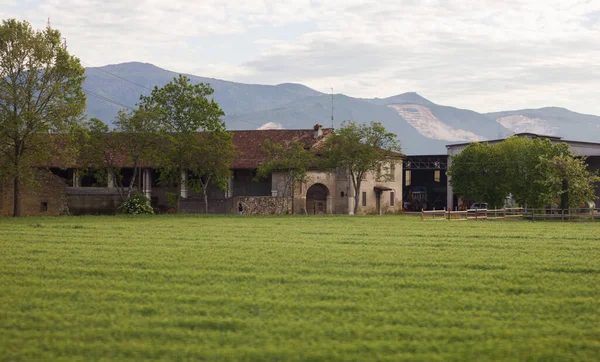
(298, 288)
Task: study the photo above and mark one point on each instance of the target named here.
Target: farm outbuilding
(590, 150)
(425, 182)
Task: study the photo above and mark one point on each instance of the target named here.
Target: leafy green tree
(361, 148)
(132, 142)
(567, 178)
(477, 173)
(212, 163)
(520, 157)
(182, 110)
(40, 93)
(291, 160)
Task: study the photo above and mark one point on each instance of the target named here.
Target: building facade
(325, 192)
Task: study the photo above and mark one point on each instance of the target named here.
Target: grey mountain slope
(232, 97)
(455, 117)
(404, 98)
(296, 106)
(570, 125)
(307, 112)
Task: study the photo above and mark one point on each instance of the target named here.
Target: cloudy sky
(484, 55)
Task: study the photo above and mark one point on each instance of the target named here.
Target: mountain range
(422, 126)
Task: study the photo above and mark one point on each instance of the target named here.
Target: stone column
(76, 179)
(450, 192)
(147, 182)
(110, 181)
(229, 192)
(329, 205)
(184, 191)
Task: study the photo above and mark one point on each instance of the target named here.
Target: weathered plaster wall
(50, 189)
(368, 186)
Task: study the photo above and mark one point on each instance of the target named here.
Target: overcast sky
(484, 55)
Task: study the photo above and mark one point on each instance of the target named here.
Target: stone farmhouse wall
(261, 205)
(46, 198)
(93, 200)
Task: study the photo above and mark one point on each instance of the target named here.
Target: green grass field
(298, 288)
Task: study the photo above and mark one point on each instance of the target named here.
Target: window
(43, 206)
(392, 172)
(392, 198)
(364, 198)
(342, 194)
(407, 178)
(436, 175)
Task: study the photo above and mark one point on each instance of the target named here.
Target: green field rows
(298, 288)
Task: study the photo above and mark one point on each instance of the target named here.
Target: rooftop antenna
(49, 25)
(332, 108)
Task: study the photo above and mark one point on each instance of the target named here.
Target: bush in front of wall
(137, 204)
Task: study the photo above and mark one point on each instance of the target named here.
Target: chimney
(317, 131)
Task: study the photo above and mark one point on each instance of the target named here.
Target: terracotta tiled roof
(248, 143)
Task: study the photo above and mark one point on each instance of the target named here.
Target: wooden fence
(512, 213)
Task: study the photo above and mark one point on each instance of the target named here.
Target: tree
(567, 179)
(212, 163)
(131, 143)
(520, 157)
(292, 160)
(361, 148)
(40, 93)
(478, 174)
(182, 109)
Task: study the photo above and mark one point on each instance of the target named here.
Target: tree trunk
(16, 195)
(564, 199)
(206, 200)
(132, 182)
(356, 193)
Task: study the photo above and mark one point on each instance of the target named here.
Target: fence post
(532, 215)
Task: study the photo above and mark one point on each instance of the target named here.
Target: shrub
(137, 204)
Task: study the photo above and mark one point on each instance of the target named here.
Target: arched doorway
(317, 199)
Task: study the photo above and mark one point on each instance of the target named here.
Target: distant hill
(551, 121)
(422, 126)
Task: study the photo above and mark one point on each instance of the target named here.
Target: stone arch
(318, 199)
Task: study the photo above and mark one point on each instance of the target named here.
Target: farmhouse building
(65, 189)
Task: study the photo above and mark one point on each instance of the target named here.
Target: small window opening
(342, 194)
(43, 206)
(392, 198)
(364, 198)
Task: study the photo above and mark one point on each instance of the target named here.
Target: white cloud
(481, 54)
